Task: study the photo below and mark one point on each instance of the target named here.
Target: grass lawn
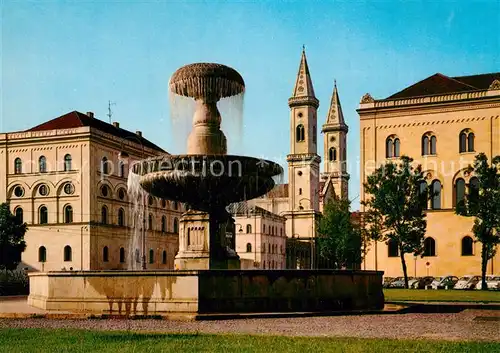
(42, 340)
(396, 294)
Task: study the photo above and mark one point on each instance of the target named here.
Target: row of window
(271, 248)
(68, 255)
(467, 248)
(271, 265)
(43, 217)
(43, 189)
(429, 144)
(459, 192)
(42, 164)
(106, 192)
(272, 230)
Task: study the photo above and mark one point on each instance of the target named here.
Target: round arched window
(43, 190)
(104, 191)
(18, 191)
(69, 189)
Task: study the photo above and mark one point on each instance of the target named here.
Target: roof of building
(303, 84)
(280, 190)
(76, 119)
(242, 208)
(442, 84)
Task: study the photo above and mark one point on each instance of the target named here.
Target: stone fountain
(207, 179)
(208, 279)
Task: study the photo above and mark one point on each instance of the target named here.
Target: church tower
(335, 147)
(303, 160)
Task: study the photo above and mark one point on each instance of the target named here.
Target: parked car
(386, 281)
(467, 282)
(492, 282)
(423, 282)
(411, 282)
(399, 282)
(444, 282)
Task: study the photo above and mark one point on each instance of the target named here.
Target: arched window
(176, 226)
(300, 133)
(42, 254)
(249, 247)
(137, 257)
(459, 194)
(249, 228)
(121, 217)
(429, 247)
(42, 164)
(425, 145)
(104, 215)
(104, 166)
(163, 224)
(332, 154)
(121, 169)
(150, 221)
(424, 194)
(67, 162)
(151, 256)
(436, 195)
(263, 228)
(392, 248)
(67, 253)
(176, 205)
(122, 255)
(389, 148)
(43, 215)
(467, 246)
(269, 248)
(18, 166)
(396, 147)
(466, 141)
(164, 257)
(473, 191)
(19, 214)
(105, 254)
(300, 191)
(433, 145)
(68, 214)
(470, 142)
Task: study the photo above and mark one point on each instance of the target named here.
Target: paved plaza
(471, 325)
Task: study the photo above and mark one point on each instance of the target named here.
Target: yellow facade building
(65, 180)
(442, 123)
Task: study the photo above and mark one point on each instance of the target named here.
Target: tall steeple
(335, 116)
(303, 85)
(335, 147)
(303, 160)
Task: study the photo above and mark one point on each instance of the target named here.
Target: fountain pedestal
(206, 241)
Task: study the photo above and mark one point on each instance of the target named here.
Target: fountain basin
(205, 182)
(204, 292)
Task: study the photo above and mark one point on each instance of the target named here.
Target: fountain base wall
(203, 292)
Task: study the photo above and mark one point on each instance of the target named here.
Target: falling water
(181, 116)
(231, 111)
(137, 210)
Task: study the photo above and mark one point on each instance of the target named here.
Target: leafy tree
(396, 207)
(483, 203)
(339, 237)
(12, 242)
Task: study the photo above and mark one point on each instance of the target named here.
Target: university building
(65, 179)
(442, 123)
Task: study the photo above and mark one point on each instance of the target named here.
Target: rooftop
(76, 119)
(442, 84)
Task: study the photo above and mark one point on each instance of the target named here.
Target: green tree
(483, 203)
(12, 242)
(396, 207)
(339, 238)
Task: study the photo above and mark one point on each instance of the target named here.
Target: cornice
(424, 110)
(310, 157)
(300, 101)
(334, 127)
(435, 122)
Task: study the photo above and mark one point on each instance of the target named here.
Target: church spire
(335, 118)
(303, 90)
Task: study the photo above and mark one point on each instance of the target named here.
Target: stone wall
(199, 292)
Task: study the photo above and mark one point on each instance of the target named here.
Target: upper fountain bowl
(207, 81)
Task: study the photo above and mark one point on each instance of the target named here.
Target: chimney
(90, 114)
(116, 124)
(138, 133)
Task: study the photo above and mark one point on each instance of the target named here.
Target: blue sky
(64, 56)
